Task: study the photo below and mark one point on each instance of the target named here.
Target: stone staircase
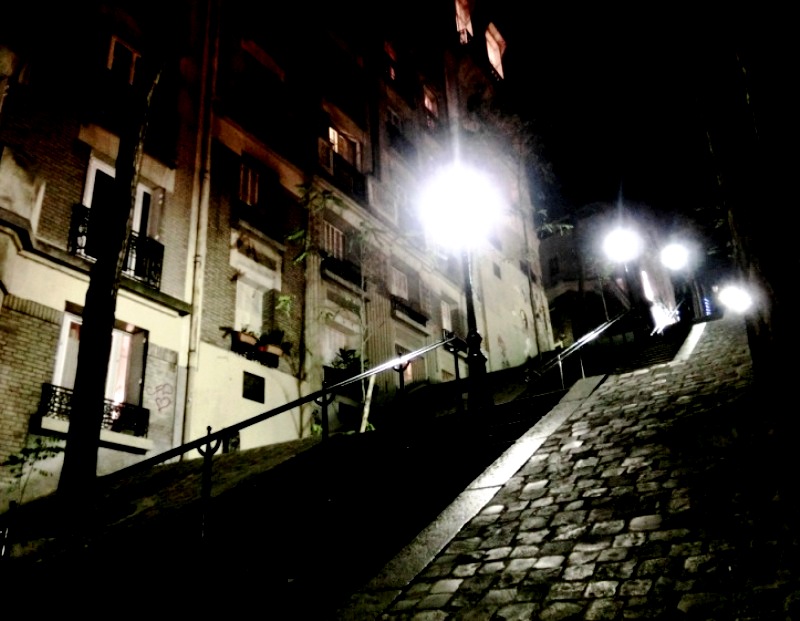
(320, 517)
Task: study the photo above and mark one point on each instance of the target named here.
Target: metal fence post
(205, 496)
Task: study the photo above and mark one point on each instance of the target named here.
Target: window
(249, 181)
(125, 367)
(399, 283)
(332, 240)
(348, 148)
(408, 372)
(464, 20)
(122, 60)
(391, 61)
(495, 48)
(332, 341)
(431, 105)
(98, 194)
(447, 317)
(258, 281)
(249, 305)
(253, 387)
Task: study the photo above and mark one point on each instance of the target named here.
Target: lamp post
(623, 245)
(476, 361)
(458, 208)
(675, 257)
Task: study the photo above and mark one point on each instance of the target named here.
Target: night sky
(622, 100)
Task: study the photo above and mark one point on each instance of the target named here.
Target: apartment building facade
(274, 220)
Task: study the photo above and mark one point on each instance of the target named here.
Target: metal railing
(558, 360)
(56, 402)
(144, 256)
(210, 444)
(322, 397)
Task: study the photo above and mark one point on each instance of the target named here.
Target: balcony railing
(408, 309)
(144, 256)
(56, 402)
(343, 269)
(343, 174)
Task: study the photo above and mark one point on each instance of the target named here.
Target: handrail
(227, 431)
(586, 338)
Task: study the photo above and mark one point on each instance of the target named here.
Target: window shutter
(136, 367)
(459, 322)
(424, 298)
(156, 209)
(268, 314)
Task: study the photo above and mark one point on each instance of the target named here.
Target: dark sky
(621, 100)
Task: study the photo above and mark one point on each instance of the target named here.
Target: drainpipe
(200, 204)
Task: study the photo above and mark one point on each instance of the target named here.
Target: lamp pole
(458, 207)
(476, 362)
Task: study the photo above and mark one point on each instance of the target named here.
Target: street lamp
(459, 208)
(623, 245)
(735, 298)
(676, 257)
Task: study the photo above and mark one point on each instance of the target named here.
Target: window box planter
(266, 349)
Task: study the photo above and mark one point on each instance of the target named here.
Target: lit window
(332, 240)
(391, 61)
(464, 20)
(431, 108)
(125, 377)
(345, 146)
(495, 48)
(249, 180)
(122, 60)
(399, 284)
(408, 372)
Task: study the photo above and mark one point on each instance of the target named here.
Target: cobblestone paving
(653, 500)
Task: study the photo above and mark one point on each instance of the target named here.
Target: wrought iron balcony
(56, 402)
(409, 309)
(144, 256)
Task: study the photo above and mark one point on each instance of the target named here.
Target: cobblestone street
(651, 499)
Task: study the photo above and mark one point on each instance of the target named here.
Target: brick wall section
(219, 296)
(49, 141)
(28, 342)
(293, 283)
(219, 301)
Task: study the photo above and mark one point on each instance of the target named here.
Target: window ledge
(352, 287)
(405, 318)
(108, 439)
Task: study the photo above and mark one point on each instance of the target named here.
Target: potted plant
(243, 341)
(345, 365)
(271, 347)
